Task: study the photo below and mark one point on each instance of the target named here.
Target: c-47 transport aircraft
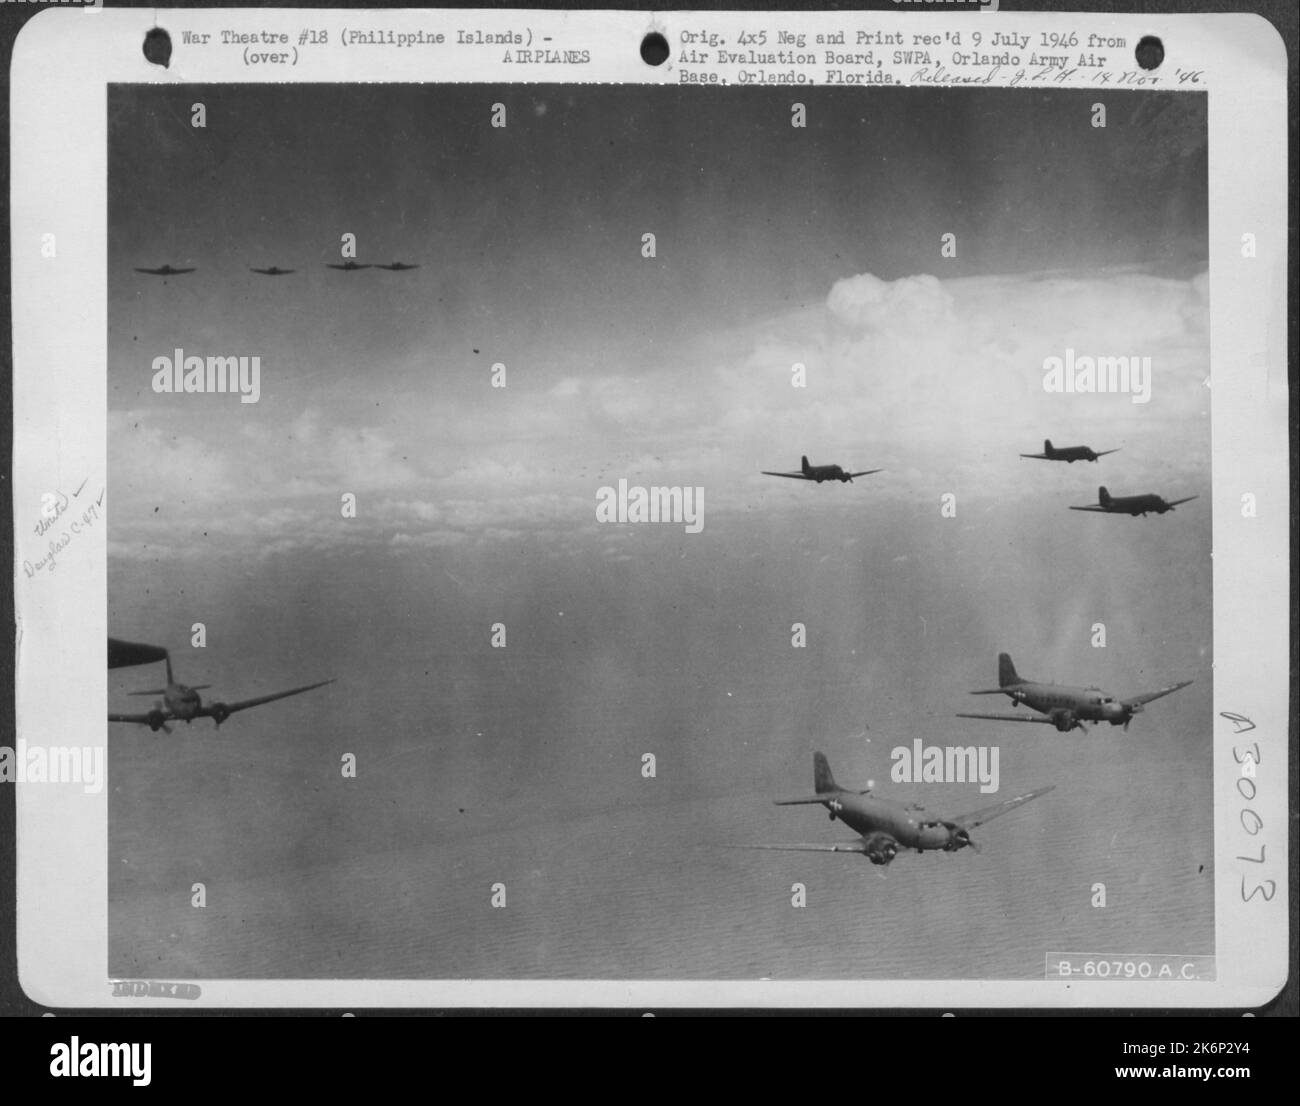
(822, 472)
(885, 827)
(181, 703)
(1066, 708)
(166, 270)
(1067, 453)
(1134, 505)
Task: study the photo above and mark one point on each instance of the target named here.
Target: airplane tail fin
(822, 778)
(804, 464)
(167, 660)
(1047, 445)
(1007, 671)
(1103, 496)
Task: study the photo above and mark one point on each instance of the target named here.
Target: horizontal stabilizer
(824, 797)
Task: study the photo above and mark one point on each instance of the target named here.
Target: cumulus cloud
(934, 380)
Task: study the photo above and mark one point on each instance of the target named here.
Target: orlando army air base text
(902, 57)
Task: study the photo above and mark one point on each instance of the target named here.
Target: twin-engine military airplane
(349, 267)
(822, 472)
(1067, 453)
(1134, 505)
(166, 270)
(1066, 708)
(181, 703)
(397, 267)
(885, 827)
(273, 271)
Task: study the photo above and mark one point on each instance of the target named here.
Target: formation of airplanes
(1066, 708)
(1106, 504)
(181, 702)
(886, 827)
(820, 473)
(273, 271)
(1134, 505)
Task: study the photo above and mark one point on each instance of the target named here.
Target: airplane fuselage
(909, 826)
(1088, 704)
(184, 702)
(1137, 505)
(827, 472)
(1071, 453)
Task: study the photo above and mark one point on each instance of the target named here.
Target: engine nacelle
(1064, 721)
(881, 849)
(156, 720)
(220, 712)
(958, 838)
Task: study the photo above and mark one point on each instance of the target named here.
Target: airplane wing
(244, 704)
(1011, 717)
(1103, 452)
(790, 475)
(1037, 456)
(140, 719)
(1139, 700)
(979, 817)
(867, 473)
(1187, 500)
(858, 846)
(1095, 507)
(121, 653)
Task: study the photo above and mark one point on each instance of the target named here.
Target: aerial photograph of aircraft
(1134, 505)
(273, 271)
(1067, 453)
(397, 267)
(886, 827)
(1066, 708)
(166, 270)
(181, 703)
(349, 267)
(822, 472)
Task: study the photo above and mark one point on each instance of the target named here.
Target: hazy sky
(775, 245)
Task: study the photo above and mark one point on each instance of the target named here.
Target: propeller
(961, 839)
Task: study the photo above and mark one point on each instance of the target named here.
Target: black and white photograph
(557, 532)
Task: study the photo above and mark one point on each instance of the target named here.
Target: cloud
(940, 382)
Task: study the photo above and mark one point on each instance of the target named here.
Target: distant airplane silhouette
(1134, 505)
(822, 472)
(273, 271)
(166, 270)
(1067, 453)
(397, 267)
(348, 267)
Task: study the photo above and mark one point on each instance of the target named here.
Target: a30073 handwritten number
(1248, 758)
